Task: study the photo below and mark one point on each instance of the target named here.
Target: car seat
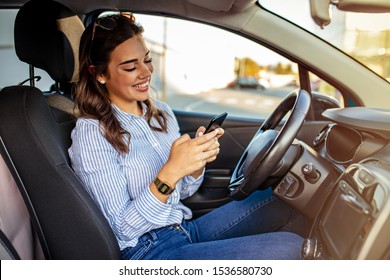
(37, 137)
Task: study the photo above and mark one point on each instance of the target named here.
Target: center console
(353, 222)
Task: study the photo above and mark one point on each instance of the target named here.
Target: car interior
(47, 214)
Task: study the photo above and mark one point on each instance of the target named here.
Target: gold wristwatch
(163, 187)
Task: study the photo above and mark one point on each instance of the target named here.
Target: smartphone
(216, 122)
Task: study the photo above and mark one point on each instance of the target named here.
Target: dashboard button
(365, 177)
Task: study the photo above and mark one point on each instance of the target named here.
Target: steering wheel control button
(310, 172)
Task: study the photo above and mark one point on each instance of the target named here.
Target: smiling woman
(124, 81)
(145, 168)
(142, 182)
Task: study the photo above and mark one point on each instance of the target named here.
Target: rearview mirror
(320, 9)
(364, 6)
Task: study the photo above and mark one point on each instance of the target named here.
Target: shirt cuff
(152, 209)
(189, 180)
(190, 185)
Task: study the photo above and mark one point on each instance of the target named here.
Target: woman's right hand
(189, 155)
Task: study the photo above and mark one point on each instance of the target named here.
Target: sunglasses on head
(107, 23)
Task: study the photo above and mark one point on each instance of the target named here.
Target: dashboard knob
(310, 172)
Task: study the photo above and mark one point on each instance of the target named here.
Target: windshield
(365, 37)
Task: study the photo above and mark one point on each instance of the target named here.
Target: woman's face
(129, 73)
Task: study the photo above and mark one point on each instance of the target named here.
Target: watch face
(164, 188)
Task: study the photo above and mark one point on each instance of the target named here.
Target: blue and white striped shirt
(120, 183)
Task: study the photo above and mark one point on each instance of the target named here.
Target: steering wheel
(268, 146)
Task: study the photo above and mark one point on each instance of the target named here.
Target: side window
(12, 70)
(205, 69)
(320, 86)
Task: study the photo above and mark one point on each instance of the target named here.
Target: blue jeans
(254, 228)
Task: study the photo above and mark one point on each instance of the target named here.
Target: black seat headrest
(47, 36)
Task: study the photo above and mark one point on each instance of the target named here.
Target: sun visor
(320, 12)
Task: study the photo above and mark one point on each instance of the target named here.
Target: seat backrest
(37, 141)
(47, 36)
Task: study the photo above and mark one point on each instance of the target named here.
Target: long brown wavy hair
(91, 98)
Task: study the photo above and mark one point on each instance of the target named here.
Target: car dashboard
(354, 219)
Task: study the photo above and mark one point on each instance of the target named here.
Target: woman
(128, 153)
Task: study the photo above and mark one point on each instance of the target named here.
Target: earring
(102, 82)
